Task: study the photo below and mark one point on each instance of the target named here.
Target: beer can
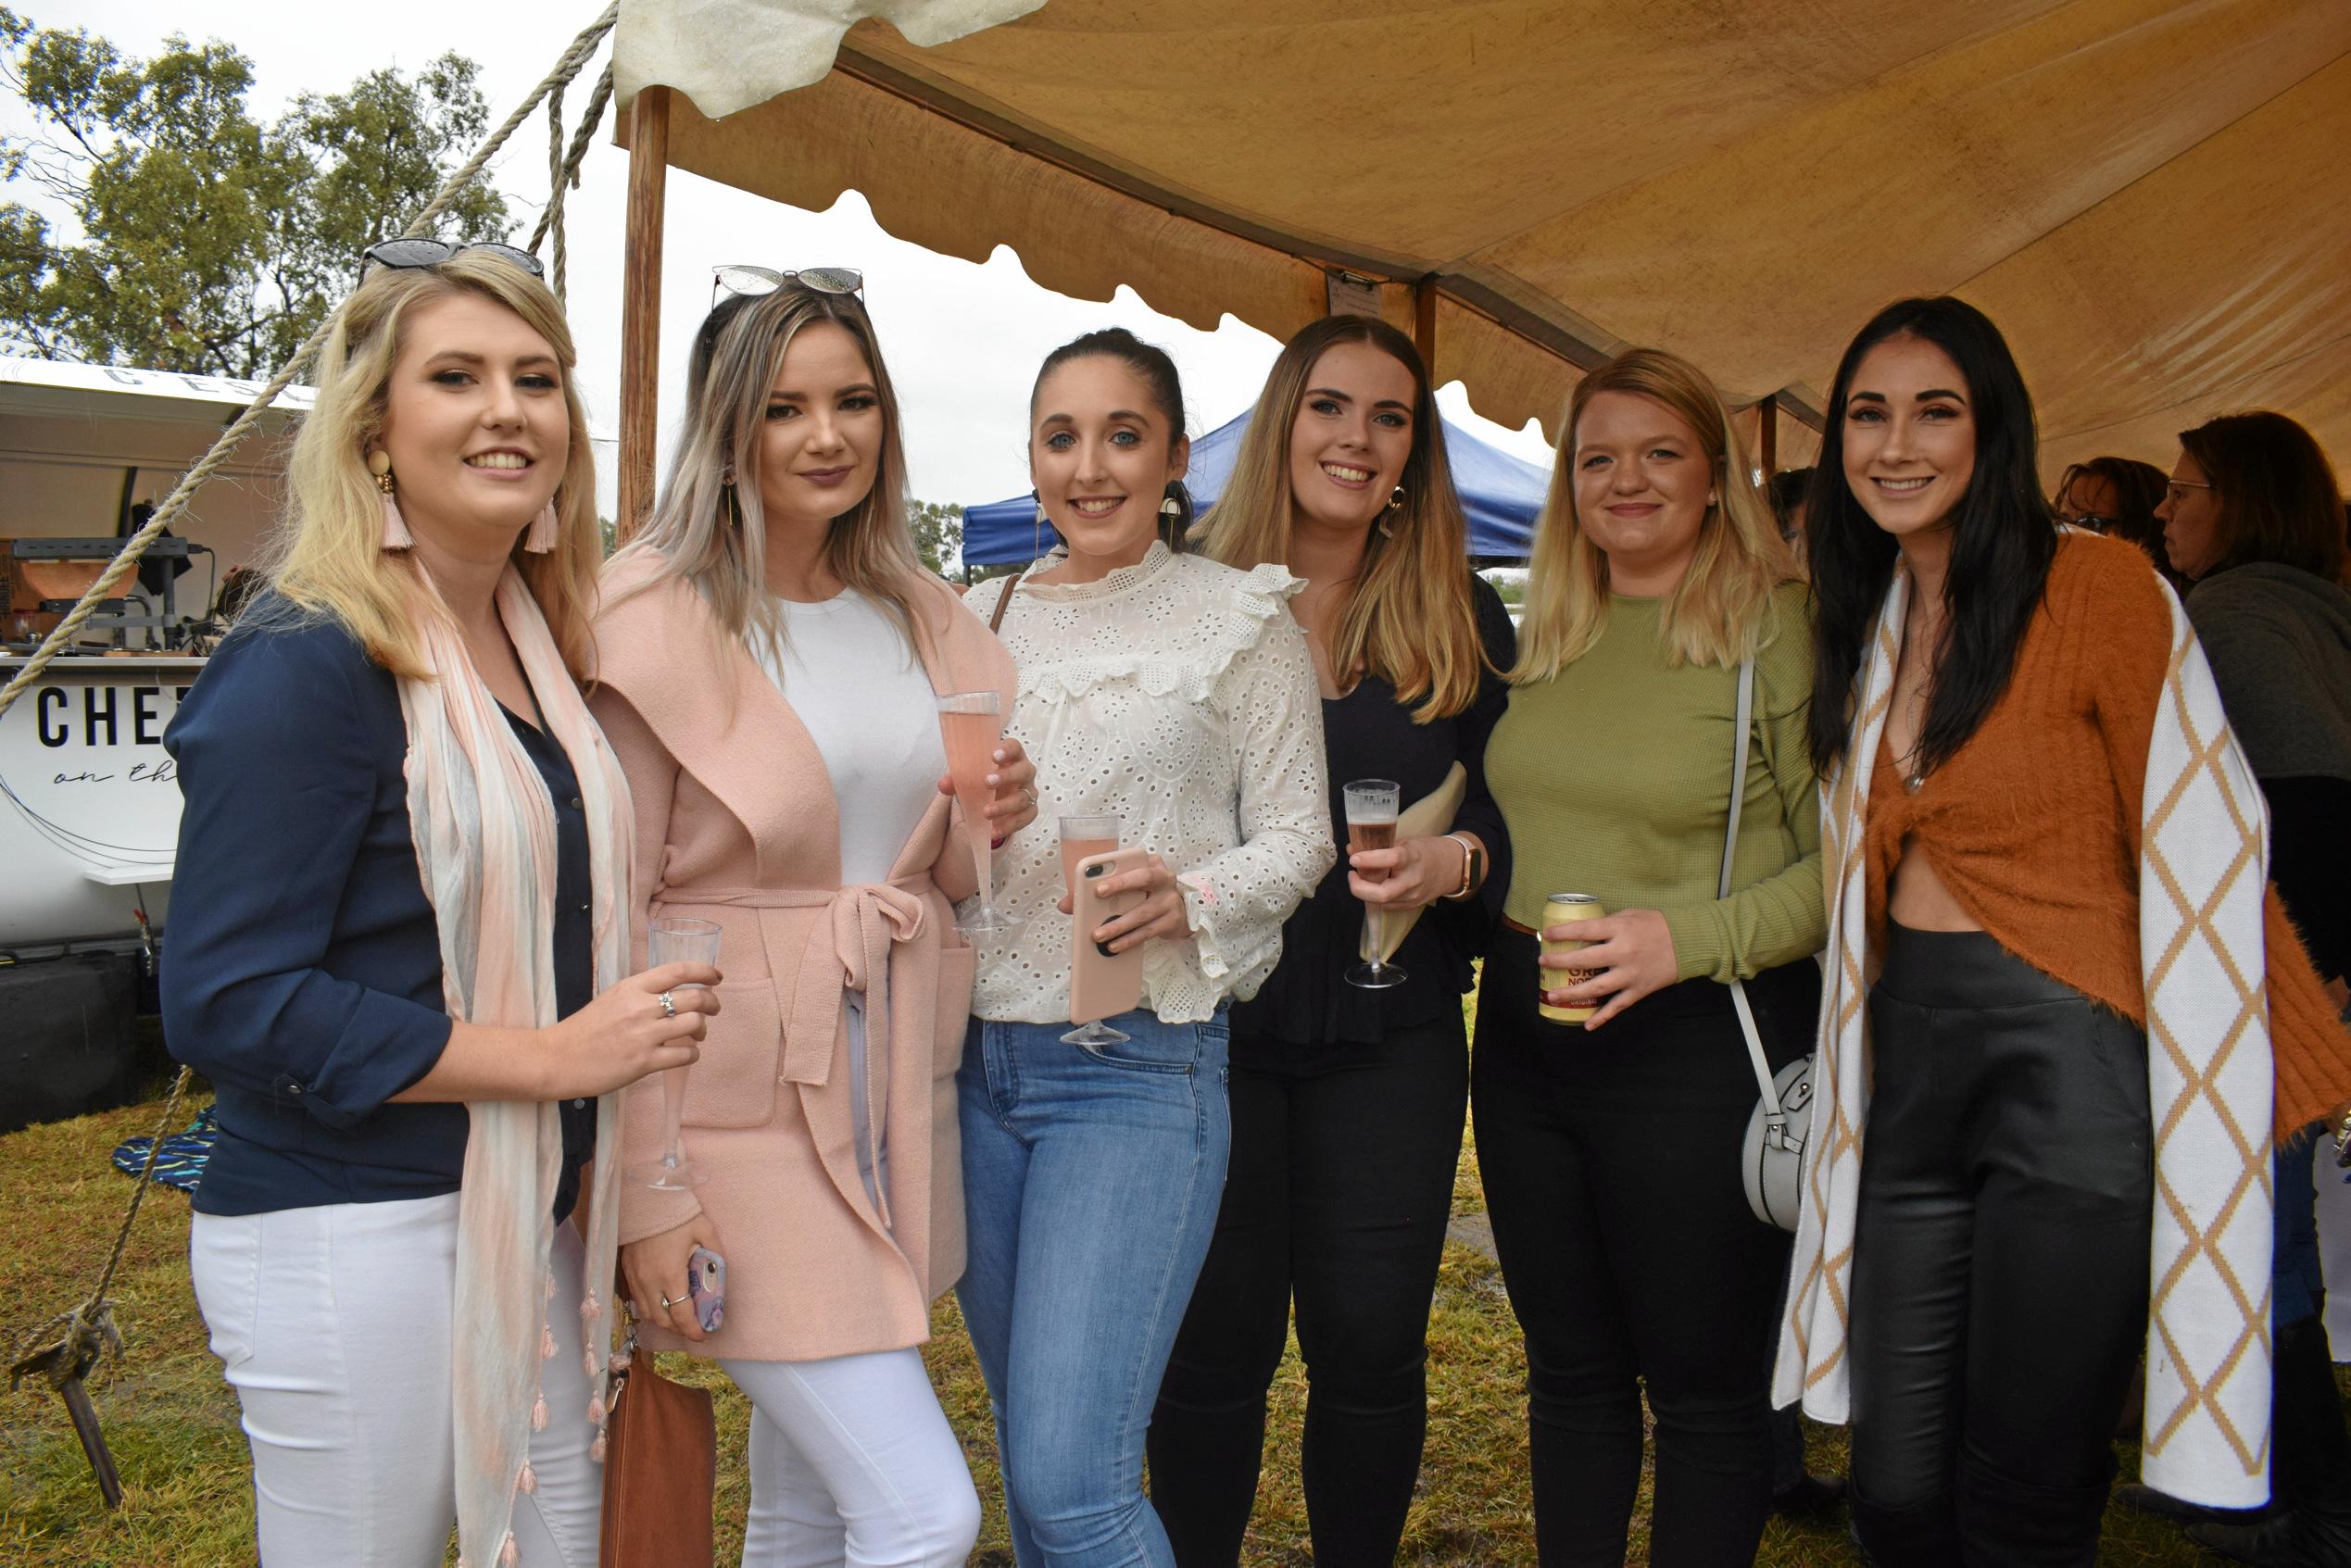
(1558, 909)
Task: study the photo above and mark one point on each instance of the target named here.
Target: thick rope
(552, 217)
(559, 257)
(94, 1314)
(583, 49)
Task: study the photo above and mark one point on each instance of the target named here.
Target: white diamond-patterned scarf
(485, 831)
(2203, 867)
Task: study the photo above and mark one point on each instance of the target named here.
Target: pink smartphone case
(1102, 985)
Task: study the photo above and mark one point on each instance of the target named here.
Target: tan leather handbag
(661, 1464)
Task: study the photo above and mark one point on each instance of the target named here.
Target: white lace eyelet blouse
(1177, 694)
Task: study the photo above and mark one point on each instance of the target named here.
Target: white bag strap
(1775, 1118)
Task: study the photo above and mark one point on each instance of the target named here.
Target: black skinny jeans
(2000, 1259)
(1339, 1186)
(1611, 1164)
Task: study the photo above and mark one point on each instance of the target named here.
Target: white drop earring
(395, 527)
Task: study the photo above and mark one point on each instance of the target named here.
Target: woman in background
(2252, 518)
(2117, 497)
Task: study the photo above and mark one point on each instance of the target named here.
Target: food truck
(89, 809)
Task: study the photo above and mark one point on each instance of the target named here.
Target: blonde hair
(1409, 619)
(1720, 611)
(328, 557)
(709, 528)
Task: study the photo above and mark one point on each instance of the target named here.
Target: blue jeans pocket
(1150, 1046)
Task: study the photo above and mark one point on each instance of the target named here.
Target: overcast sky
(963, 341)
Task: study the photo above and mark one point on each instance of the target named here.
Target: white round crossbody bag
(1771, 1156)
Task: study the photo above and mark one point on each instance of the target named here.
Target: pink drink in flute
(970, 723)
(672, 940)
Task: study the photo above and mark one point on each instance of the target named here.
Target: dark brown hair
(1153, 365)
(2138, 490)
(2276, 492)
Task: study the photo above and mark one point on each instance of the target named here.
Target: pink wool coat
(735, 823)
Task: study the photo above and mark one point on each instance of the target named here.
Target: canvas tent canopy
(2153, 200)
(1499, 496)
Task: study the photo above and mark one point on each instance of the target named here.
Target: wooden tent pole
(641, 307)
(1768, 436)
(1425, 324)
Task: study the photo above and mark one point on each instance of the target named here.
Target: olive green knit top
(1614, 777)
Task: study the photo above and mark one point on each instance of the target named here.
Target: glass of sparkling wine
(1082, 836)
(970, 723)
(1371, 824)
(671, 940)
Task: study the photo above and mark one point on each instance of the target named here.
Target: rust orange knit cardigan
(2034, 824)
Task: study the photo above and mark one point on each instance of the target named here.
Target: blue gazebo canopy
(1499, 492)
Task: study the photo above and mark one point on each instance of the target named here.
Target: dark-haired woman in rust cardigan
(1998, 712)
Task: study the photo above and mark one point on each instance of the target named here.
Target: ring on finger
(667, 1303)
(1028, 793)
(669, 1010)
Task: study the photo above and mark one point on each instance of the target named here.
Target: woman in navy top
(367, 1230)
(1348, 1103)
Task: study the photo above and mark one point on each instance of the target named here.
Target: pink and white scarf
(485, 845)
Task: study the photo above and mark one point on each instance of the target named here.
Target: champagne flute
(1081, 836)
(970, 723)
(673, 940)
(1371, 808)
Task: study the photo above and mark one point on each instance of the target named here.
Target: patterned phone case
(706, 1287)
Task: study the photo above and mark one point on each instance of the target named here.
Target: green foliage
(938, 533)
(208, 243)
(1509, 582)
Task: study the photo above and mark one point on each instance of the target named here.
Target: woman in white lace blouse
(1178, 695)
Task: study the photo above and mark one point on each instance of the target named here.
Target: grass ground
(172, 1422)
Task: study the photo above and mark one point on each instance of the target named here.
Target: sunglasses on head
(738, 277)
(402, 254)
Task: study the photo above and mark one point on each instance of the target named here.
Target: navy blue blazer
(301, 971)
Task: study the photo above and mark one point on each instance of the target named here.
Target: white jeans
(333, 1325)
(853, 1465)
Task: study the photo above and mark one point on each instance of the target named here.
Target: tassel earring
(395, 527)
(544, 529)
(1395, 505)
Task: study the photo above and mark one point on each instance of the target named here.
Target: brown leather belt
(1523, 929)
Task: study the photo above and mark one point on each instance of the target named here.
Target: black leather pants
(2000, 1272)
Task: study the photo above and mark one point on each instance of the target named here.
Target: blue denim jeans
(1091, 1180)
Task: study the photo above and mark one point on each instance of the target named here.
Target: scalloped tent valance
(2153, 200)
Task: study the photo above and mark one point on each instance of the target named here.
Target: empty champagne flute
(673, 940)
(1372, 804)
(1081, 836)
(970, 723)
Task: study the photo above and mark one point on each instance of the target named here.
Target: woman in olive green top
(1609, 1149)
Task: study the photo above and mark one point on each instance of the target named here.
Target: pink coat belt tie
(849, 952)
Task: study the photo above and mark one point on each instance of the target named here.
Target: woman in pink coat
(771, 656)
